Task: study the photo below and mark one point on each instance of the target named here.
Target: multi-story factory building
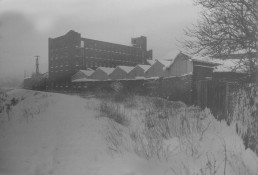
(70, 53)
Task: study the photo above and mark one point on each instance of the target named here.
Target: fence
(173, 88)
(218, 96)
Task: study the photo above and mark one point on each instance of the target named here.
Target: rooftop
(127, 69)
(107, 70)
(87, 72)
(144, 67)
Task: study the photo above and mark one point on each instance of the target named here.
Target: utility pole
(37, 65)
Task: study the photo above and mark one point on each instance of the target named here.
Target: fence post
(226, 100)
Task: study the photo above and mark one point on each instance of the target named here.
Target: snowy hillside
(54, 134)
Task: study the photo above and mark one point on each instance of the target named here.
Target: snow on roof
(173, 57)
(152, 78)
(237, 55)
(140, 78)
(229, 65)
(27, 78)
(165, 62)
(127, 69)
(87, 72)
(204, 60)
(144, 67)
(83, 80)
(150, 62)
(45, 75)
(107, 70)
(222, 65)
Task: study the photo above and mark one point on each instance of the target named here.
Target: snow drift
(54, 134)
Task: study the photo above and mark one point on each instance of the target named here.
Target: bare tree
(226, 27)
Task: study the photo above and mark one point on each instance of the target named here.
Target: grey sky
(26, 25)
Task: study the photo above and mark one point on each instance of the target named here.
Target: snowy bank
(55, 134)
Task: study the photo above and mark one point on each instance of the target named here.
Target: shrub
(245, 115)
(14, 101)
(164, 132)
(162, 120)
(114, 112)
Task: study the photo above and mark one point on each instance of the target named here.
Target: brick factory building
(70, 53)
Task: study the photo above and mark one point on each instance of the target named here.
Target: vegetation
(165, 130)
(113, 111)
(245, 115)
(226, 27)
(8, 107)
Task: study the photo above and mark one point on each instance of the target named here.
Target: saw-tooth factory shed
(138, 71)
(120, 72)
(157, 69)
(82, 74)
(102, 73)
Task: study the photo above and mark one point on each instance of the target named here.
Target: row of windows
(110, 55)
(52, 58)
(56, 50)
(63, 45)
(112, 60)
(89, 53)
(120, 51)
(56, 66)
(66, 86)
(109, 46)
(102, 63)
(106, 48)
(52, 71)
(98, 56)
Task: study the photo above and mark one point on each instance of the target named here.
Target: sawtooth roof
(87, 72)
(144, 67)
(127, 69)
(107, 70)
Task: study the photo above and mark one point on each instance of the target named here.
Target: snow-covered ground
(56, 134)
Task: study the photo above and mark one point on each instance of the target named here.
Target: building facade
(70, 53)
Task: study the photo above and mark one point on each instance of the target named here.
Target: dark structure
(70, 53)
(37, 81)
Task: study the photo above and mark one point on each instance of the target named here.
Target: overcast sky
(26, 25)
